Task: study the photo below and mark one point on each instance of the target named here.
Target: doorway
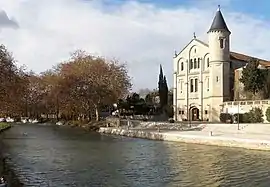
(194, 114)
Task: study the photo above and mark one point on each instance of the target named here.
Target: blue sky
(142, 36)
(258, 8)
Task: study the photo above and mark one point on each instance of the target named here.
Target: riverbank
(5, 169)
(208, 134)
(4, 126)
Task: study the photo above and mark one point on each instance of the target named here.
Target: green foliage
(255, 115)
(4, 125)
(169, 111)
(266, 89)
(241, 118)
(134, 105)
(225, 117)
(245, 118)
(162, 89)
(267, 114)
(252, 77)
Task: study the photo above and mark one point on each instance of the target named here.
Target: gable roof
(194, 39)
(235, 55)
(246, 58)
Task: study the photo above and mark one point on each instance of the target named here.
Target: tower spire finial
(218, 7)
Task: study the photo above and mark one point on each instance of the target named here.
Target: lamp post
(175, 97)
(238, 128)
(187, 94)
(188, 115)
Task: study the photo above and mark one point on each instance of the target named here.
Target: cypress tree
(162, 89)
(166, 90)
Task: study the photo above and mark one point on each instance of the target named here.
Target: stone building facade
(204, 74)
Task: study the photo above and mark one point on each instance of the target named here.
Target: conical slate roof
(219, 23)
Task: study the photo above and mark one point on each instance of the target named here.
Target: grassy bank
(4, 126)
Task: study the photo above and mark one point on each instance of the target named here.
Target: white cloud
(143, 35)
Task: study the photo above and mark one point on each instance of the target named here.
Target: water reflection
(218, 166)
(53, 156)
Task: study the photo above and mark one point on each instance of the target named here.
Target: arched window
(191, 64)
(208, 62)
(199, 61)
(196, 85)
(222, 43)
(195, 63)
(191, 85)
(182, 66)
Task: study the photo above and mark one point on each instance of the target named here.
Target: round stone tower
(219, 75)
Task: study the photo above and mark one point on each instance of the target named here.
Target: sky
(141, 33)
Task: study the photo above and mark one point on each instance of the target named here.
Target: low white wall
(177, 136)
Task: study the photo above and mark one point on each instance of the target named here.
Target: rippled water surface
(53, 156)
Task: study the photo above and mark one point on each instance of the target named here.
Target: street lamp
(238, 128)
(188, 114)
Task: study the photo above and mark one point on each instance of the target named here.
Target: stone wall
(137, 124)
(189, 137)
(246, 106)
(132, 133)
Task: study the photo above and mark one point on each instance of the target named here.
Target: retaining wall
(178, 136)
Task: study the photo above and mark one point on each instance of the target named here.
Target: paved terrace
(252, 136)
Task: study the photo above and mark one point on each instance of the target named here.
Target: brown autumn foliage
(79, 88)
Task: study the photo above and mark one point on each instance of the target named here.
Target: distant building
(204, 74)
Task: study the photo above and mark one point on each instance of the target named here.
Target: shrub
(246, 118)
(241, 118)
(267, 114)
(255, 115)
(171, 120)
(225, 117)
(169, 111)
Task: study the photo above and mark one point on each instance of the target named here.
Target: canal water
(47, 155)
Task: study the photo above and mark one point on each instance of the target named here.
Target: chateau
(204, 74)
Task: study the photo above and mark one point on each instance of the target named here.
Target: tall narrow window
(195, 63)
(191, 85)
(191, 64)
(182, 66)
(221, 43)
(199, 61)
(196, 85)
(207, 84)
(208, 62)
(181, 86)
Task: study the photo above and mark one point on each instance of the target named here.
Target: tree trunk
(97, 112)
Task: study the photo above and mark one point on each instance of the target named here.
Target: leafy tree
(267, 114)
(266, 89)
(81, 87)
(252, 77)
